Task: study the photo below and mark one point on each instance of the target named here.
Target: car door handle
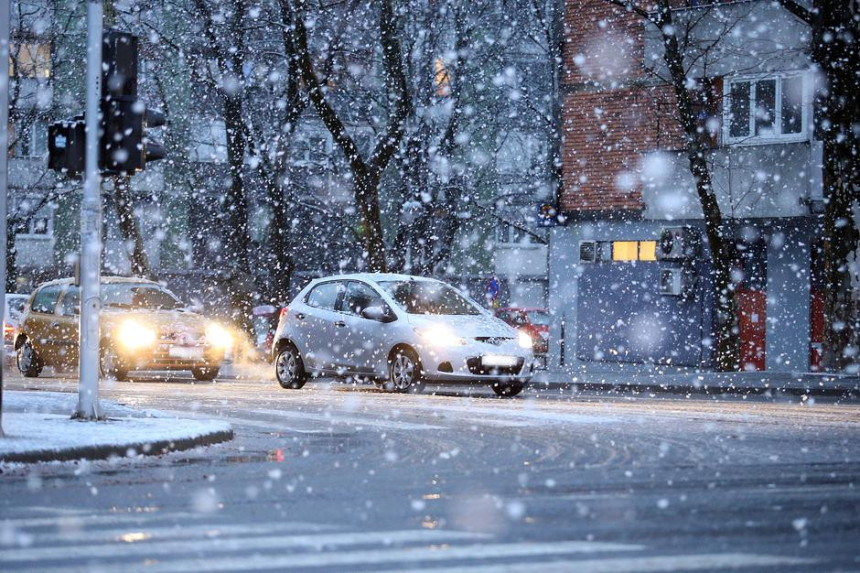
(300, 315)
(55, 325)
(340, 323)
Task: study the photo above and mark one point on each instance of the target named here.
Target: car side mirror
(377, 313)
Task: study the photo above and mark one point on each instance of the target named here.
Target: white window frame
(46, 213)
(776, 137)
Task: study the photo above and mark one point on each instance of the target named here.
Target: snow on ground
(41, 421)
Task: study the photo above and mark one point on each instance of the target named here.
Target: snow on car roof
(376, 277)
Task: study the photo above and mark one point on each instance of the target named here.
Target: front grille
(494, 340)
(475, 367)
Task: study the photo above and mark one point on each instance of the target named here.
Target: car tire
(30, 364)
(110, 365)
(289, 369)
(507, 389)
(205, 374)
(404, 372)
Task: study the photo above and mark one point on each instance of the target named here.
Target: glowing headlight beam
(135, 335)
(218, 337)
(524, 340)
(441, 337)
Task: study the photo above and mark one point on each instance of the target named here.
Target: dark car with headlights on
(143, 326)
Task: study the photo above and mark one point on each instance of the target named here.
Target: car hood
(466, 326)
(164, 320)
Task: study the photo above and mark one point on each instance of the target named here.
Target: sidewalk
(674, 379)
(39, 428)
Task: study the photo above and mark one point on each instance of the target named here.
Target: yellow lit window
(442, 78)
(30, 60)
(647, 250)
(625, 250)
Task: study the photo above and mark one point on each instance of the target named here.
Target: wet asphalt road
(338, 477)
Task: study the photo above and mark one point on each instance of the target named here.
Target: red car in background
(532, 321)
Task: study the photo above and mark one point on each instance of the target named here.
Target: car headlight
(524, 340)
(218, 336)
(133, 335)
(440, 337)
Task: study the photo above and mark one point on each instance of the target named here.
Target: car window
(359, 296)
(71, 301)
(502, 314)
(45, 300)
(139, 296)
(325, 295)
(428, 297)
(539, 317)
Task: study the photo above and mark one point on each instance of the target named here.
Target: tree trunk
(129, 228)
(719, 235)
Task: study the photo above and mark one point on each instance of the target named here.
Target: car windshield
(426, 297)
(538, 317)
(132, 295)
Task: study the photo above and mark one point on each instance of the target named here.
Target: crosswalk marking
(117, 543)
(151, 548)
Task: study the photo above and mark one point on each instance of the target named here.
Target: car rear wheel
(507, 389)
(404, 372)
(29, 362)
(110, 364)
(289, 369)
(205, 374)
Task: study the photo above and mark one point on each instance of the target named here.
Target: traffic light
(124, 146)
(67, 146)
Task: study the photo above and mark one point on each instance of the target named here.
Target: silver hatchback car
(400, 331)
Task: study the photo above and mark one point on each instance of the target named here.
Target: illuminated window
(647, 250)
(30, 60)
(441, 78)
(625, 250)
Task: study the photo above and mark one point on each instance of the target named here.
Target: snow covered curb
(39, 428)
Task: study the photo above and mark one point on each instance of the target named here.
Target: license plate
(186, 352)
(498, 360)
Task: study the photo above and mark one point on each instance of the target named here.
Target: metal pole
(91, 228)
(4, 168)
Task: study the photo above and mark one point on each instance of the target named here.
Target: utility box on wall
(672, 282)
(678, 243)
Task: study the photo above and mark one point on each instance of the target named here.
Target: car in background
(534, 322)
(400, 331)
(15, 305)
(143, 326)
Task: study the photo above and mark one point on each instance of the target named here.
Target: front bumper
(172, 357)
(469, 364)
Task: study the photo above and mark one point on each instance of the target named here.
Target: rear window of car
(324, 295)
(46, 298)
(428, 297)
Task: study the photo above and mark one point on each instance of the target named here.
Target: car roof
(375, 277)
(103, 280)
(524, 308)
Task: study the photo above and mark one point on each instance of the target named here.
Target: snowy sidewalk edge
(106, 451)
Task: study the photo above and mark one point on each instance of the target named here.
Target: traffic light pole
(4, 168)
(91, 227)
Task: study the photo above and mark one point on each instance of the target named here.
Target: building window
(32, 140)
(509, 234)
(441, 78)
(772, 108)
(631, 251)
(30, 61)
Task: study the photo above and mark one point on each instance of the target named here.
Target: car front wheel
(404, 372)
(289, 368)
(29, 362)
(110, 365)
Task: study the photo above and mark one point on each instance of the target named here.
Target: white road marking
(144, 547)
(364, 558)
(659, 564)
